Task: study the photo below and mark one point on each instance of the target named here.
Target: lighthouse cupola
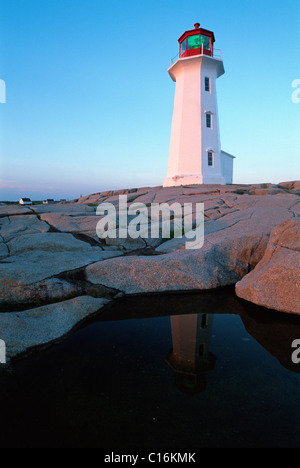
(196, 41)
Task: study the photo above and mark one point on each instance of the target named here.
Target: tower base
(176, 181)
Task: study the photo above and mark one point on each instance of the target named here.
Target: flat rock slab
(11, 210)
(50, 242)
(66, 222)
(210, 267)
(15, 226)
(68, 208)
(16, 294)
(36, 257)
(22, 331)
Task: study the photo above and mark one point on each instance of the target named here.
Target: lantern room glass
(193, 42)
(205, 42)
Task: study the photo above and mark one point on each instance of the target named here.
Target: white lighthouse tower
(195, 155)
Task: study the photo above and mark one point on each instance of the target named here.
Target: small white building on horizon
(195, 155)
(48, 201)
(25, 201)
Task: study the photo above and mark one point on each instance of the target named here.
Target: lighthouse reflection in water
(190, 357)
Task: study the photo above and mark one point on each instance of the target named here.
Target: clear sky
(89, 101)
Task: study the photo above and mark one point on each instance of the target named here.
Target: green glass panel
(183, 46)
(193, 42)
(205, 41)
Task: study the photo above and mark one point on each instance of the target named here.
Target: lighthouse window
(193, 42)
(205, 42)
(207, 84)
(183, 46)
(210, 158)
(208, 120)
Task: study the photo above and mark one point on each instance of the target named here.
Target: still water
(201, 370)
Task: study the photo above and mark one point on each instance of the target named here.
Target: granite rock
(275, 281)
(28, 329)
(51, 255)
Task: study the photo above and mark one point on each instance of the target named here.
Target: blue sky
(89, 101)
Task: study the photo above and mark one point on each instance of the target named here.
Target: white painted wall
(227, 166)
(190, 138)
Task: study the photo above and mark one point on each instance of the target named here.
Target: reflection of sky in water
(195, 380)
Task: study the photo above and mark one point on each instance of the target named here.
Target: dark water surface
(201, 370)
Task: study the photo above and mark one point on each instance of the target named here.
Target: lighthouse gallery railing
(217, 53)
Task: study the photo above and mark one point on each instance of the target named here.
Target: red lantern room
(196, 41)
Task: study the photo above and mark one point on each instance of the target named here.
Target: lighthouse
(195, 155)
